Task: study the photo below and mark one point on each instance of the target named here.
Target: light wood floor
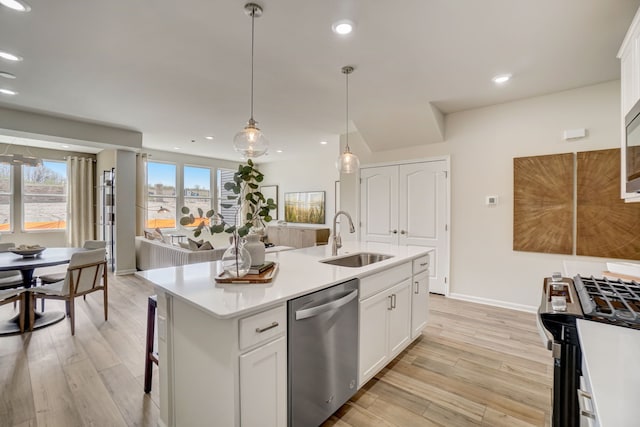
(474, 365)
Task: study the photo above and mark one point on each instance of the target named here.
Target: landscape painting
(305, 207)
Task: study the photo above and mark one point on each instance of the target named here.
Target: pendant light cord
(253, 18)
(347, 104)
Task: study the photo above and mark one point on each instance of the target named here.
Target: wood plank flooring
(474, 365)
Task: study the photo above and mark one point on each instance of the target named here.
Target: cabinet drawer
(380, 281)
(262, 327)
(420, 264)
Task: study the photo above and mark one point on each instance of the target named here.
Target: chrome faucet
(336, 240)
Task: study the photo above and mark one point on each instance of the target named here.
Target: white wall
(482, 144)
(315, 174)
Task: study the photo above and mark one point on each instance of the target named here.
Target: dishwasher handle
(323, 308)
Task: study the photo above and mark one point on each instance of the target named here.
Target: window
(197, 189)
(44, 200)
(161, 195)
(229, 214)
(6, 196)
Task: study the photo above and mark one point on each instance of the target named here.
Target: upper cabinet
(629, 55)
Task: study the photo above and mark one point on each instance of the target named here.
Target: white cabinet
(385, 321)
(419, 296)
(263, 385)
(408, 204)
(629, 55)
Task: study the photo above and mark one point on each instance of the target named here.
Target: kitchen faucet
(336, 241)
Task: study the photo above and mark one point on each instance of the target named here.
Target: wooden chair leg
(21, 314)
(149, 359)
(72, 308)
(105, 302)
(32, 313)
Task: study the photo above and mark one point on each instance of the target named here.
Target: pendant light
(250, 141)
(347, 162)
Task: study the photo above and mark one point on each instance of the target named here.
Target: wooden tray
(264, 277)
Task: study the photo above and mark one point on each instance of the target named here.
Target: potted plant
(252, 211)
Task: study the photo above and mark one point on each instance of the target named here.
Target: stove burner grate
(615, 301)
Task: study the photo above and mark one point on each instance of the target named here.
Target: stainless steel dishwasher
(322, 353)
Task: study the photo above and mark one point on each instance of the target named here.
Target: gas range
(614, 302)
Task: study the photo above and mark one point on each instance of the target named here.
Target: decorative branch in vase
(252, 210)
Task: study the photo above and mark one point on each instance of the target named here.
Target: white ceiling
(178, 71)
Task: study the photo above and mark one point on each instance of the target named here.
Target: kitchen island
(223, 348)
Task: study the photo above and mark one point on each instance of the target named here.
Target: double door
(407, 204)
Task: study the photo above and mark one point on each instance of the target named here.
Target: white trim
(125, 272)
(447, 158)
(495, 302)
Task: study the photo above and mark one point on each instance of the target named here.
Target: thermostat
(492, 200)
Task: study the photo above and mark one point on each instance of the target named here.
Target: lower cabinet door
(263, 385)
(400, 318)
(419, 303)
(373, 335)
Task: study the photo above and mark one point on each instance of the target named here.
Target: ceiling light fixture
(8, 92)
(7, 75)
(250, 141)
(9, 56)
(20, 6)
(27, 159)
(342, 27)
(323, 142)
(208, 137)
(347, 162)
(501, 78)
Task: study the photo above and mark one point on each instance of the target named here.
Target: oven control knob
(558, 303)
(556, 277)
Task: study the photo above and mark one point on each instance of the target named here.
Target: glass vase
(236, 260)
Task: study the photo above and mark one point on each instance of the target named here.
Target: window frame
(24, 196)
(147, 219)
(11, 195)
(212, 195)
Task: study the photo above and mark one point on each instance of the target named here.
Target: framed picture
(305, 207)
(271, 192)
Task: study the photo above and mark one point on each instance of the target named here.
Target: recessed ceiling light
(176, 148)
(323, 142)
(9, 56)
(7, 75)
(8, 92)
(20, 6)
(65, 146)
(208, 137)
(501, 78)
(278, 151)
(342, 27)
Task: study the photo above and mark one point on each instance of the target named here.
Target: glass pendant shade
(348, 162)
(250, 141)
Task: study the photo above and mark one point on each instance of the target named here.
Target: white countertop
(612, 358)
(299, 273)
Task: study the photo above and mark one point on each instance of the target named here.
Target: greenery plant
(245, 187)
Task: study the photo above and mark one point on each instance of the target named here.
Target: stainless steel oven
(564, 300)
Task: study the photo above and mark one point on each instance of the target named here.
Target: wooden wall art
(543, 203)
(606, 226)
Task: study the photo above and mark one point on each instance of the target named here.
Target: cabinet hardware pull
(394, 231)
(271, 326)
(393, 300)
(417, 289)
(403, 232)
(424, 264)
(390, 307)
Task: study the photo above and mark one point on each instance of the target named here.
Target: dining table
(27, 265)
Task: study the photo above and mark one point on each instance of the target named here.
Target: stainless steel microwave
(632, 150)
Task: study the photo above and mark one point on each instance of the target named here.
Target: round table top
(49, 257)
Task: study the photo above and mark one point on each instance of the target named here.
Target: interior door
(422, 217)
(379, 204)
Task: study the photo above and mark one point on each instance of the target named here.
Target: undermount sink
(357, 260)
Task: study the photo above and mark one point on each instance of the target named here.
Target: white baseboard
(125, 272)
(495, 303)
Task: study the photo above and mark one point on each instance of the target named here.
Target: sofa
(157, 254)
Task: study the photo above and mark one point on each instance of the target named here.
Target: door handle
(266, 328)
(394, 231)
(403, 232)
(323, 308)
(390, 306)
(393, 300)
(417, 288)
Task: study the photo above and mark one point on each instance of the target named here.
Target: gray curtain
(141, 194)
(80, 200)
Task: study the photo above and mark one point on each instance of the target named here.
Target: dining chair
(14, 295)
(56, 277)
(84, 274)
(11, 278)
